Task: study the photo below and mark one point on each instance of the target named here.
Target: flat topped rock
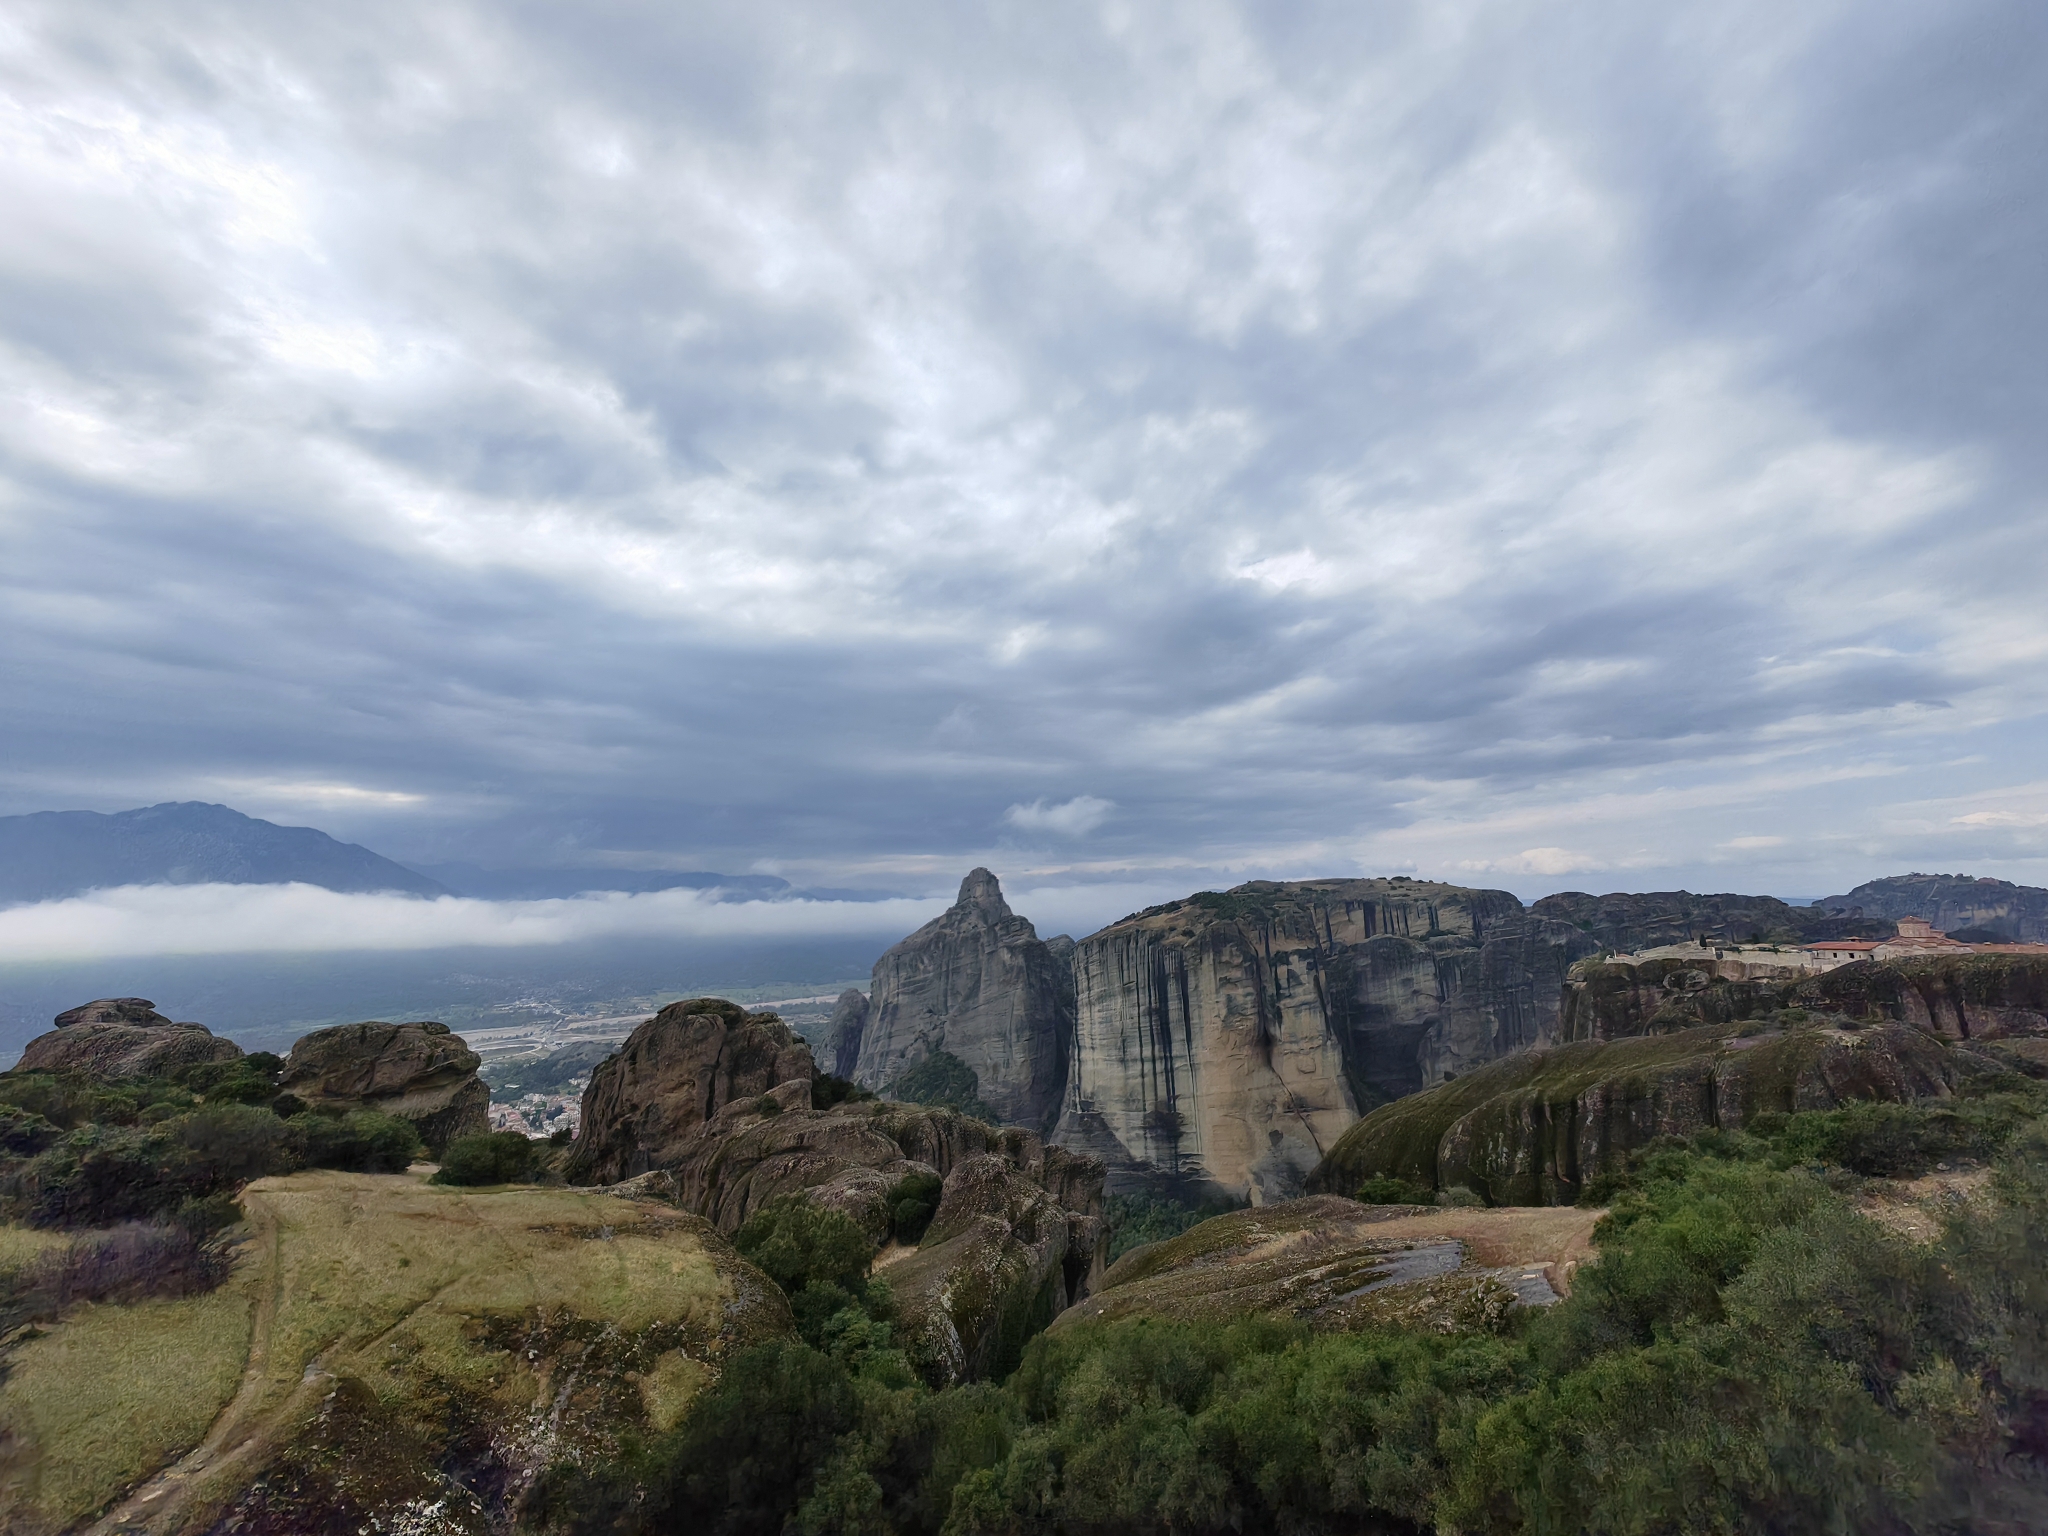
(122, 1038)
(112, 1010)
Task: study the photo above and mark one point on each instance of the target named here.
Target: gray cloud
(1446, 438)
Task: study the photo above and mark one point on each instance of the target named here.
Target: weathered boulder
(843, 1033)
(978, 983)
(674, 1073)
(1534, 1128)
(1223, 1043)
(418, 1072)
(1615, 1000)
(123, 1037)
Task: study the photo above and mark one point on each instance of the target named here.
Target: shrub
(1135, 1220)
(131, 1262)
(362, 1142)
(1383, 1190)
(943, 1081)
(827, 1090)
(495, 1157)
(796, 1243)
(913, 1201)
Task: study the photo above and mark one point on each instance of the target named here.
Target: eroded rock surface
(1964, 997)
(674, 1073)
(418, 1072)
(123, 1037)
(976, 982)
(1950, 903)
(1223, 1043)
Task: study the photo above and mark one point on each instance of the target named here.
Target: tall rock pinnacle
(979, 984)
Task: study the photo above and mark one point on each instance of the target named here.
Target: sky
(1135, 447)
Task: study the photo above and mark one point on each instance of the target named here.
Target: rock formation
(714, 1108)
(1223, 1043)
(674, 1073)
(123, 1037)
(843, 1033)
(978, 983)
(418, 1072)
(1532, 1129)
(1963, 997)
(1950, 902)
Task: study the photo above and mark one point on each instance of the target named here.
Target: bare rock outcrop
(673, 1074)
(417, 1072)
(979, 984)
(1964, 997)
(118, 1038)
(1224, 1043)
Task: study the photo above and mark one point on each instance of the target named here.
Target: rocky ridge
(1952, 903)
(1662, 1048)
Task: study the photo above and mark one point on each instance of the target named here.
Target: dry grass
(113, 1392)
(20, 1244)
(424, 1293)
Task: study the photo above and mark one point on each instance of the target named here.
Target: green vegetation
(1750, 1352)
(1382, 1190)
(555, 1072)
(943, 1081)
(1135, 1220)
(492, 1157)
(913, 1201)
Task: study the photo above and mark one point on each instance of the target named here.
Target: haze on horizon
(1132, 446)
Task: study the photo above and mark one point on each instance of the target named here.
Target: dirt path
(239, 1430)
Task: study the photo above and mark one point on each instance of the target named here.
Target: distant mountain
(1953, 903)
(53, 854)
(543, 884)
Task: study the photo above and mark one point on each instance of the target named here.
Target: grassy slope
(385, 1279)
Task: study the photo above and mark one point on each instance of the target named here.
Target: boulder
(1533, 1129)
(673, 1074)
(1224, 1043)
(418, 1072)
(976, 983)
(123, 1037)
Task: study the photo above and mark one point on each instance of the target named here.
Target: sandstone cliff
(979, 984)
(123, 1037)
(1223, 1043)
(418, 1072)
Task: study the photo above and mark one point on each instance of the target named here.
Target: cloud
(257, 919)
(713, 435)
(1070, 818)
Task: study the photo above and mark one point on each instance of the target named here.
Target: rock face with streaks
(843, 1033)
(1223, 1043)
(123, 1037)
(978, 983)
(418, 1072)
(673, 1074)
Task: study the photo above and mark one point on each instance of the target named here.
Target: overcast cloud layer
(1584, 445)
